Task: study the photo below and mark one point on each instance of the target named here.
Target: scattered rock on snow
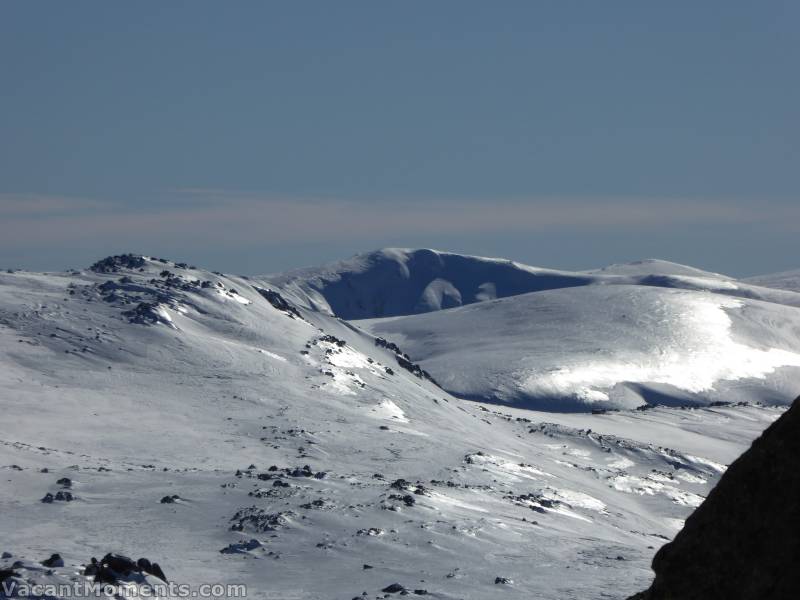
(60, 496)
(241, 547)
(55, 560)
(114, 568)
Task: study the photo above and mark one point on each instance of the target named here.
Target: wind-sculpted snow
(244, 439)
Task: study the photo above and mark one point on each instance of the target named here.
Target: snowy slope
(143, 379)
(653, 266)
(785, 280)
(607, 346)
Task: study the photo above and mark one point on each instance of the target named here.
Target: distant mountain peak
(403, 281)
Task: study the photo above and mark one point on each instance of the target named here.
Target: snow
(132, 410)
(578, 347)
(272, 355)
(386, 409)
(400, 281)
(785, 280)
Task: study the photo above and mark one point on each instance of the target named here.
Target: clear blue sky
(256, 136)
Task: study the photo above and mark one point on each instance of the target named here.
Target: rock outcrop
(743, 542)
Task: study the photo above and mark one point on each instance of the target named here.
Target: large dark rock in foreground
(743, 542)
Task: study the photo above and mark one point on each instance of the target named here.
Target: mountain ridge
(212, 424)
(402, 281)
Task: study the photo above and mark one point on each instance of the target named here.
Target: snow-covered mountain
(621, 336)
(234, 431)
(399, 281)
(785, 280)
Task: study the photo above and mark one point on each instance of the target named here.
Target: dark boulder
(112, 264)
(91, 569)
(144, 565)
(55, 560)
(114, 568)
(156, 571)
(7, 573)
(279, 302)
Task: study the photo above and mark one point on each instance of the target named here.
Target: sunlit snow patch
(500, 467)
(575, 499)
(271, 355)
(345, 356)
(232, 295)
(387, 409)
(621, 463)
(650, 486)
(719, 468)
(695, 334)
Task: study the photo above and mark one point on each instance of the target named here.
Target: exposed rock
(384, 343)
(743, 541)
(147, 313)
(332, 339)
(259, 520)
(406, 499)
(403, 359)
(6, 573)
(55, 560)
(60, 496)
(112, 264)
(279, 302)
(241, 547)
(414, 368)
(114, 568)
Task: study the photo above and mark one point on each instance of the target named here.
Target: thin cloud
(21, 206)
(199, 216)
